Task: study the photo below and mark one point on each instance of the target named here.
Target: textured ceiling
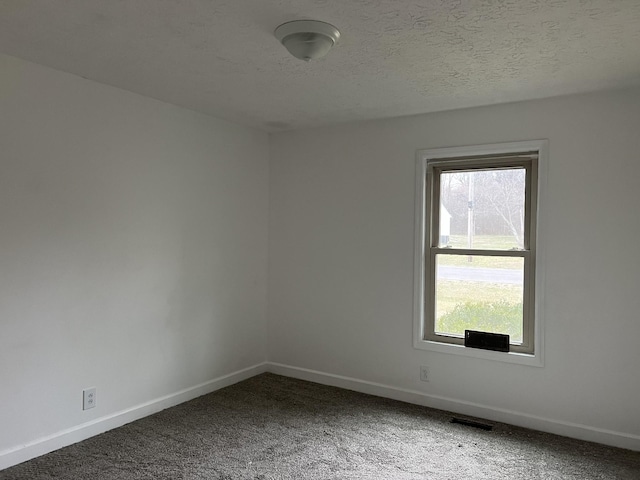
(395, 57)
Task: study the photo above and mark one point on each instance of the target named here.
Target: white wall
(133, 250)
(341, 261)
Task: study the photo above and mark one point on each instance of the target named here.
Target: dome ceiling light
(307, 39)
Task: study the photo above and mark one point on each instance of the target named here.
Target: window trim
(423, 251)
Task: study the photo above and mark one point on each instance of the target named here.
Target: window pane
(482, 209)
(479, 293)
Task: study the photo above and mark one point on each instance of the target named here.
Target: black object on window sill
(486, 341)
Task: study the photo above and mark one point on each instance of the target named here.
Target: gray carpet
(272, 427)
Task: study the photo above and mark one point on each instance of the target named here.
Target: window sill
(506, 357)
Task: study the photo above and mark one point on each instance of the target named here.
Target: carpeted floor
(272, 427)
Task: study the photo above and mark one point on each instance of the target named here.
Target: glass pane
(482, 209)
(479, 293)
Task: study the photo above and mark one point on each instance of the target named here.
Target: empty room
(324, 239)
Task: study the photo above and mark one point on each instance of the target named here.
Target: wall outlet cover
(424, 373)
(88, 398)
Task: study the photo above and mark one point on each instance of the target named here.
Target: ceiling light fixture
(307, 39)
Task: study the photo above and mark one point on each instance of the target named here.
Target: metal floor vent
(471, 423)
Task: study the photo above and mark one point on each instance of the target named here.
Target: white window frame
(423, 267)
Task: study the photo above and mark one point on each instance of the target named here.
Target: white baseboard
(558, 427)
(47, 444)
(44, 445)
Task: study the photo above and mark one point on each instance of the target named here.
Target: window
(476, 247)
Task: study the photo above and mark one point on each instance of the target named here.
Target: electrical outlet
(424, 373)
(88, 398)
